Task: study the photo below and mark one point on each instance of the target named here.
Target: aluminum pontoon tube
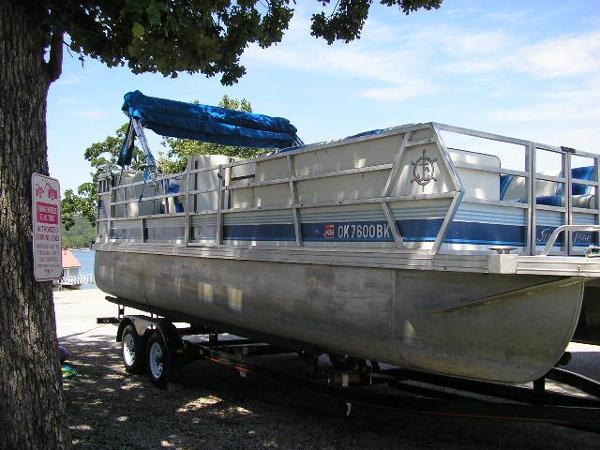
(503, 328)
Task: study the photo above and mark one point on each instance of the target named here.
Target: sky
(526, 69)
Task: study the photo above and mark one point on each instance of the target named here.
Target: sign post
(47, 242)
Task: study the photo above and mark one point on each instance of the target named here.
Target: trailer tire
(133, 350)
(159, 361)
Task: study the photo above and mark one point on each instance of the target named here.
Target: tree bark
(32, 412)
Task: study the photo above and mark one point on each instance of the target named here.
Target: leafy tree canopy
(348, 17)
(206, 36)
(102, 156)
(82, 204)
(80, 234)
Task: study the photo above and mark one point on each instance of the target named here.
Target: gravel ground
(211, 407)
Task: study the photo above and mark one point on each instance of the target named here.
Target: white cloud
(404, 63)
(564, 117)
(457, 42)
(512, 16)
(381, 32)
(404, 59)
(93, 114)
(356, 59)
(478, 66)
(563, 56)
(582, 103)
(528, 16)
(401, 69)
(400, 93)
(461, 43)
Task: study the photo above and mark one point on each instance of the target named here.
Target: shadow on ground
(211, 407)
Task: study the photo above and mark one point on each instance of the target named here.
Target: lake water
(86, 258)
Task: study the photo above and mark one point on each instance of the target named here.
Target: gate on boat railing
(192, 208)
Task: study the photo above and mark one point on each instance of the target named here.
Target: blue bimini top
(209, 123)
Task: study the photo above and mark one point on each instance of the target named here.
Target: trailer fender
(143, 325)
(122, 324)
(170, 335)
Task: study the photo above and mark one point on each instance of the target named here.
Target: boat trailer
(164, 349)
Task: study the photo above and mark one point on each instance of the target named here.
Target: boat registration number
(357, 231)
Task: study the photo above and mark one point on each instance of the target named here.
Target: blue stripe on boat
(260, 232)
(412, 230)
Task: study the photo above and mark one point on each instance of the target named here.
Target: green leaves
(101, 155)
(344, 23)
(137, 30)
(105, 153)
(409, 6)
(80, 234)
(347, 19)
(154, 12)
(197, 36)
(82, 204)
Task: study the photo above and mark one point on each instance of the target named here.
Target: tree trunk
(31, 400)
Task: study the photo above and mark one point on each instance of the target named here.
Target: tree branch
(54, 64)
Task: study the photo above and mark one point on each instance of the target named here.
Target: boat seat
(172, 186)
(513, 187)
(478, 184)
(579, 201)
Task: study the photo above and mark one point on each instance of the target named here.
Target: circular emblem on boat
(423, 170)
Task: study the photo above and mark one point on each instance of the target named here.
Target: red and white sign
(47, 242)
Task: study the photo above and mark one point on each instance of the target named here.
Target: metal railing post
(530, 167)
(186, 206)
(110, 214)
(596, 191)
(219, 236)
(458, 187)
(568, 200)
(294, 201)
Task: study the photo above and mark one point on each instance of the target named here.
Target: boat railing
(564, 228)
(199, 194)
(563, 205)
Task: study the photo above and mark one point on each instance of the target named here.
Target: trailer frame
(403, 389)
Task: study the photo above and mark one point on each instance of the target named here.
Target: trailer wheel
(343, 363)
(159, 363)
(134, 354)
